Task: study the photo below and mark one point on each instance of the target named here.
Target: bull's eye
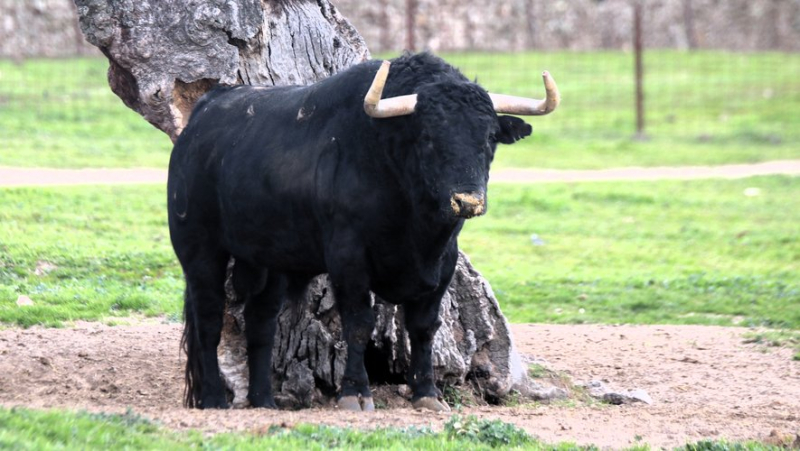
(488, 151)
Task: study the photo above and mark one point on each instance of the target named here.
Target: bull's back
(247, 172)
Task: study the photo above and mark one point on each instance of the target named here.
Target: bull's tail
(190, 343)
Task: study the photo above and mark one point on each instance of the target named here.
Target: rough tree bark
(163, 56)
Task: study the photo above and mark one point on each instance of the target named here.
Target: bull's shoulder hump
(227, 97)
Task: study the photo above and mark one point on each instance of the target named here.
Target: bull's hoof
(213, 405)
(212, 402)
(267, 403)
(356, 404)
(367, 405)
(430, 403)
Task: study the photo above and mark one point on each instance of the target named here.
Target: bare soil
(706, 382)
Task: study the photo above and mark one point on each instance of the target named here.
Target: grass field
(110, 247)
(61, 113)
(27, 429)
(699, 252)
(702, 108)
(23, 429)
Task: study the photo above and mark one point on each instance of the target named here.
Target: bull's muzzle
(468, 205)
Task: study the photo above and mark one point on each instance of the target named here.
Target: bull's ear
(512, 129)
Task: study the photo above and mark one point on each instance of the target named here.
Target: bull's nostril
(468, 205)
(457, 204)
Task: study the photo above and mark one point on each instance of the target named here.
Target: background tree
(163, 56)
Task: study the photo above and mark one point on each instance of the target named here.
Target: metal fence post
(411, 25)
(637, 50)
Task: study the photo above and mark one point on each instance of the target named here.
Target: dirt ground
(706, 382)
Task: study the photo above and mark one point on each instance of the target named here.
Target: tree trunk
(163, 56)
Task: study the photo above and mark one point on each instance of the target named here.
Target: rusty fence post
(411, 24)
(637, 51)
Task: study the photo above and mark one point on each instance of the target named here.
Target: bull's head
(460, 130)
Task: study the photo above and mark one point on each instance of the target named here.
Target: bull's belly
(401, 290)
(406, 283)
(403, 271)
(280, 251)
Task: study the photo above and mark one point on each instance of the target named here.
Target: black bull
(298, 181)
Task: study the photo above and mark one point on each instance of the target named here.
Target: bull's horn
(529, 107)
(391, 107)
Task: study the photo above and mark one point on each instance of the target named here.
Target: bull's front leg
(358, 321)
(345, 260)
(422, 321)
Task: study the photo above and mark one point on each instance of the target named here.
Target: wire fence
(742, 99)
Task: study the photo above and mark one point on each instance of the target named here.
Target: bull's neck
(434, 228)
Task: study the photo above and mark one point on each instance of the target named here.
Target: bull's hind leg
(203, 310)
(264, 293)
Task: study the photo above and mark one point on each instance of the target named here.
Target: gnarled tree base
(473, 347)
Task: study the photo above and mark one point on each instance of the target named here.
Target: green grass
(776, 339)
(682, 252)
(109, 247)
(25, 429)
(702, 108)
(61, 113)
